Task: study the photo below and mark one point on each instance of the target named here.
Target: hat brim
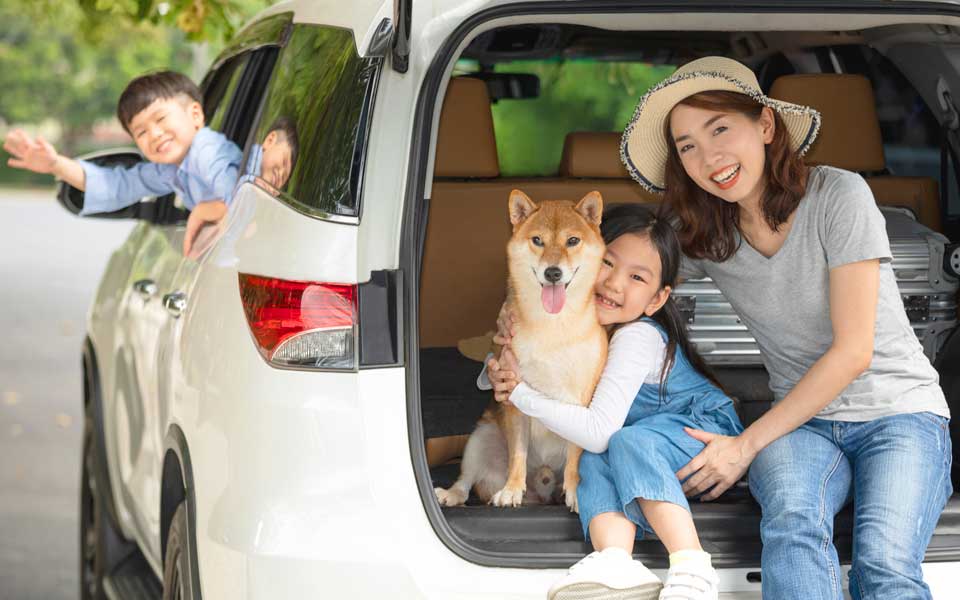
(643, 148)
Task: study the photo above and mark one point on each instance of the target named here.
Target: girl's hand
(506, 326)
(504, 375)
(720, 465)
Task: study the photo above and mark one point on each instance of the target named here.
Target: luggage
(929, 297)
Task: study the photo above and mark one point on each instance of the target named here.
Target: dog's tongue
(553, 297)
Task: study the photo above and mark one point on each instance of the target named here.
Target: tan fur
(561, 355)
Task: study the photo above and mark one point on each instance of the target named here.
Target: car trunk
(461, 231)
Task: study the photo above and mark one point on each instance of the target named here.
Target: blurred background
(63, 65)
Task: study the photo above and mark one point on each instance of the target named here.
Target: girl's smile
(628, 285)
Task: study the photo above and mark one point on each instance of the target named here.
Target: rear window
(575, 95)
(312, 132)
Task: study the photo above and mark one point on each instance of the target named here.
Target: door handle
(146, 288)
(175, 303)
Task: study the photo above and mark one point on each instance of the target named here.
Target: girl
(653, 387)
(802, 255)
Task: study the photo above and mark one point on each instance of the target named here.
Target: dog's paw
(508, 497)
(451, 497)
(570, 497)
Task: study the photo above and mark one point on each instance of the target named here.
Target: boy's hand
(203, 213)
(34, 155)
(504, 375)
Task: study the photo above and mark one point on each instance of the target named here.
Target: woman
(802, 255)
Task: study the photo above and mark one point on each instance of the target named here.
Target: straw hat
(643, 148)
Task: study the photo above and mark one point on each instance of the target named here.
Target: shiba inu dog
(553, 256)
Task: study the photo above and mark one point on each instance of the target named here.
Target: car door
(234, 87)
(157, 298)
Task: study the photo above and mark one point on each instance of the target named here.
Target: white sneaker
(608, 575)
(691, 581)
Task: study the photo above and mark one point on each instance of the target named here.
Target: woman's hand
(718, 466)
(506, 326)
(504, 375)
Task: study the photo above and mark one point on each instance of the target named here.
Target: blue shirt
(208, 172)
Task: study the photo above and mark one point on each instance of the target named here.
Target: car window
(312, 131)
(575, 95)
(220, 87)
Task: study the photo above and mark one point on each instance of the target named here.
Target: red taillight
(301, 323)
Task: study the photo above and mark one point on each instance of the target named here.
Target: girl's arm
(636, 352)
(854, 289)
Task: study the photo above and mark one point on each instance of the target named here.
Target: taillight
(300, 323)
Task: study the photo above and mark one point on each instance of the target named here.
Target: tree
(200, 20)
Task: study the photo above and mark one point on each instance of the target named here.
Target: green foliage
(576, 95)
(200, 20)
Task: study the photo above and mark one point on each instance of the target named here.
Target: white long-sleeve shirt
(635, 357)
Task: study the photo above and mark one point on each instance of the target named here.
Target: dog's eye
(537, 241)
(572, 241)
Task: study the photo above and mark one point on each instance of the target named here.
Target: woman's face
(628, 285)
(723, 152)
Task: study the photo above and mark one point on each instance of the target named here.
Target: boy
(164, 115)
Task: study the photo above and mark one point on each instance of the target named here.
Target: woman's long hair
(622, 219)
(707, 225)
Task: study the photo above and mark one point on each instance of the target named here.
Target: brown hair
(707, 224)
(144, 90)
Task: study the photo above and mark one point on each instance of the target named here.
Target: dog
(553, 259)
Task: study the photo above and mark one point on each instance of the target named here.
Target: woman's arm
(636, 351)
(854, 289)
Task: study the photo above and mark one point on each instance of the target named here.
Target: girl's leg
(672, 524)
(612, 530)
(801, 481)
(610, 572)
(902, 482)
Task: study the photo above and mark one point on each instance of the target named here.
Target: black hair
(144, 90)
(288, 128)
(620, 219)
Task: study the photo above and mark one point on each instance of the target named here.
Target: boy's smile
(164, 130)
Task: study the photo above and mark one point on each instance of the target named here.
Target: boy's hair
(144, 90)
(707, 224)
(288, 128)
(620, 219)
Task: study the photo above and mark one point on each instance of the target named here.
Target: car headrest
(850, 131)
(592, 154)
(466, 146)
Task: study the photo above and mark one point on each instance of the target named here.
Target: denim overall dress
(643, 457)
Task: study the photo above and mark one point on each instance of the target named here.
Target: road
(50, 263)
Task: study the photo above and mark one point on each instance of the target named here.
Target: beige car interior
(463, 272)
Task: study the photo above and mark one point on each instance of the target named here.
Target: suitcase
(929, 293)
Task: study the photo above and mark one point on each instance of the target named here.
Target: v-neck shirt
(784, 300)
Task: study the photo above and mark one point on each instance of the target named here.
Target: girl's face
(628, 285)
(723, 152)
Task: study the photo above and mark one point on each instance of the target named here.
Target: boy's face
(275, 166)
(164, 130)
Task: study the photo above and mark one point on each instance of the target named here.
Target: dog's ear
(520, 206)
(591, 207)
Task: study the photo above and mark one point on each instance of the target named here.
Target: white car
(256, 417)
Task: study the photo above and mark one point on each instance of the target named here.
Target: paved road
(50, 263)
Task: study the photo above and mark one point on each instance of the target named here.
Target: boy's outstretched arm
(40, 156)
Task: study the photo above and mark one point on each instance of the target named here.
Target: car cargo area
(463, 265)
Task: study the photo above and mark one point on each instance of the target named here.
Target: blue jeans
(895, 469)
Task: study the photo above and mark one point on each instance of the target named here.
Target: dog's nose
(553, 274)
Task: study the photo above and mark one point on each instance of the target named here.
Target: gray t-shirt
(785, 302)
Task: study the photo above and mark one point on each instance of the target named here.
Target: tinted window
(312, 131)
(220, 88)
(575, 95)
